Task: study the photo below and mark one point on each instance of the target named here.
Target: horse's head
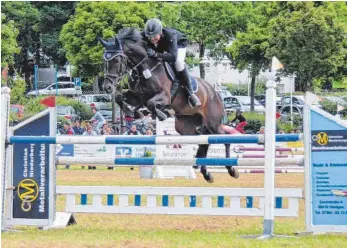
(124, 53)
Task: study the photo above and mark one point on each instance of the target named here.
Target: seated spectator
(261, 130)
(133, 131)
(67, 129)
(89, 131)
(149, 132)
(77, 128)
(282, 132)
(108, 131)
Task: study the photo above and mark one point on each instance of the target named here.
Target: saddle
(173, 75)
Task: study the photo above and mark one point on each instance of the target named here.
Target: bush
(331, 107)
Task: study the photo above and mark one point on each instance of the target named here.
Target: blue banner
(31, 172)
(328, 171)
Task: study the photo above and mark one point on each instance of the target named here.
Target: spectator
(282, 132)
(99, 118)
(149, 132)
(108, 131)
(133, 131)
(67, 129)
(89, 131)
(261, 130)
(77, 128)
(242, 121)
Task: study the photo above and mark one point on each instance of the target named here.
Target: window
(235, 102)
(286, 100)
(101, 99)
(89, 98)
(286, 110)
(83, 99)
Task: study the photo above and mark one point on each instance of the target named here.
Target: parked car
(64, 88)
(243, 103)
(100, 101)
(298, 110)
(17, 109)
(260, 99)
(68, 113)
(107, 114)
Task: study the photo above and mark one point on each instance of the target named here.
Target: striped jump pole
(261, 149)
(124, 162)
(152, 140)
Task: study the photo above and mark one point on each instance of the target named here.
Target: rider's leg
(184, 77)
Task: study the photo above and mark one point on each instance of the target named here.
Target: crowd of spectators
(97, 125)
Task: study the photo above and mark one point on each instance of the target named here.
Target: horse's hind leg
(216, 128)
(186, 125)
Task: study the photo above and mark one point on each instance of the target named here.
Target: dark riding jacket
(170, 41)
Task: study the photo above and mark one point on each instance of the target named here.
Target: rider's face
(155, 39)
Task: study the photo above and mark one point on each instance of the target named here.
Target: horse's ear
(104, 43)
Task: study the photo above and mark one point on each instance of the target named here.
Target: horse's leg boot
(185, 80)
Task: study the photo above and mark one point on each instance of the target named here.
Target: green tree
(53, 15)
(210, 24)
(310, 39)
(26, 20)
(9, 45)
(249, 48)
(98, 19)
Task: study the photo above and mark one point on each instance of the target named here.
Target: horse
(150, 86)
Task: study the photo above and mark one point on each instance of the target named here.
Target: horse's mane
(129, 35)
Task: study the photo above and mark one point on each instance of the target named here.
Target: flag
(48, 101)
(278, 115)
(276, 64)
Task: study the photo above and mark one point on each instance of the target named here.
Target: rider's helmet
(153, 27)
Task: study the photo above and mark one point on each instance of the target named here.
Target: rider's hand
(151, 52)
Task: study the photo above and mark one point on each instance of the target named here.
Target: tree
(310, 40)
(248, 52)
(26, 19)
(53, 15)
(210, 24)
(98, 19)
(9, 45)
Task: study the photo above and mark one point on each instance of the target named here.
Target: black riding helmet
(153, 27)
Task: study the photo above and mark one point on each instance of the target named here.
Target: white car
(100, 101)
(243, 103)
(64, 88)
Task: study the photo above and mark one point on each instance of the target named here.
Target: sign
(327, 165)
(77, 81)
(33, 170)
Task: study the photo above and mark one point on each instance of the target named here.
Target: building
(222, 73)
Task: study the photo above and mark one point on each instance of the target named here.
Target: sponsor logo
(321, 138)
(27, 191)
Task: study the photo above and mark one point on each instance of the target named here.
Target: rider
(242, 121)
(174, 43)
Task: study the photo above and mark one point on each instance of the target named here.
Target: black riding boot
(185, 80)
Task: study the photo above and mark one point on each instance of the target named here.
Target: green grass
(115, 230)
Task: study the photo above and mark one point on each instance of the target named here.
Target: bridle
(127, 68)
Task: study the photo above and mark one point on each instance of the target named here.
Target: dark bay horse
(150, 86)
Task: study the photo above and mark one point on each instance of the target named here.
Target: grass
(103, 230)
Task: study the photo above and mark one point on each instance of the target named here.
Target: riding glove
(151, 53)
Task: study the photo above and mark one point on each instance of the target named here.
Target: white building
(222, 73)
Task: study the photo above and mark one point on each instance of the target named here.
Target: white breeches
(181, 56)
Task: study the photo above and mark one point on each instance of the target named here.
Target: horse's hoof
(233, 172)
(208, 177)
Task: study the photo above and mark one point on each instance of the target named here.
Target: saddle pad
(172, 75)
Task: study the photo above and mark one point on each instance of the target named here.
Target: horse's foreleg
(154, 104)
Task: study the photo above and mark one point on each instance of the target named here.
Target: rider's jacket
(170, 41)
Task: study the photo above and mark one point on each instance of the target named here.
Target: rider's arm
(171, 53)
